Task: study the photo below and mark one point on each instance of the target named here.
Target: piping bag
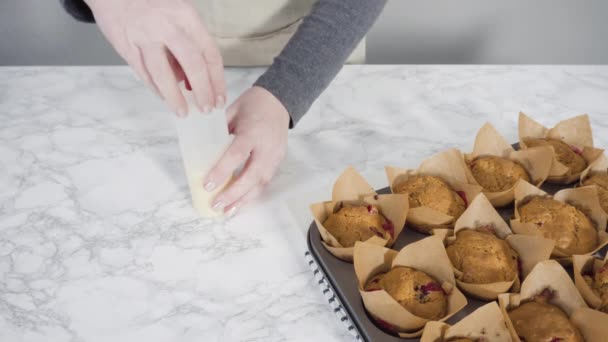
(203, 138)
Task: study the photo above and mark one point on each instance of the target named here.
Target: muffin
(482, 257)
(539, 321)
(497, 174)
(564, 153)
(461, 339)
(432, 192)
(600, 180)
(417, 292)
(358, 223)
(572, 231)
(599, 283)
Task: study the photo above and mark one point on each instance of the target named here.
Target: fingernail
(231, 212)
(218, 206)
(210, 186)
(220, 102)
(206, 109)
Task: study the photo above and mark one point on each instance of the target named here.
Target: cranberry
(373, 288)
(388, 227)
(548, 294)
(602, 269)
(386, 326)
(463, 195)
(376, 231)
(432, 286)
(487, 229)
(556, 339)
(576, 150)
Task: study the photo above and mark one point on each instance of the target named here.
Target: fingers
(256, 173)
(215, 68)
(213, 59)
(247, 198)
(157, 63)
(236, 154)
(193, 64)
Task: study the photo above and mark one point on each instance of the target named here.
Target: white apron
(253, 32)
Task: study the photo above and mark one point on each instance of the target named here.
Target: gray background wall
(38, 32)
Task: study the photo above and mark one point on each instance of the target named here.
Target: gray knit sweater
(313, 56)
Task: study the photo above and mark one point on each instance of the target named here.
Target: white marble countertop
(97, 238)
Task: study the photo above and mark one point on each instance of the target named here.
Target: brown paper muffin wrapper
(448, 165)
(575, 132)
(536, 161)
(549, 274)
(584, 198)
(352, 188)
(486, 322)
(587, 264)
(531, 249)
(426, 255)
(600, 165)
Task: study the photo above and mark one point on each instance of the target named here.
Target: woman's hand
(259, 122)
(166, 42)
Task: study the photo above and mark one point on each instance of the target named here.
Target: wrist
(279, 108)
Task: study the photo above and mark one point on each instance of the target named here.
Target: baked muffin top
(460, 339)
(572, 231)
(432, 192)
(482, 257)
(563, 152)
(538, 321)
(358, 223)
(497, 174)
(416, 291)
(599, 283)
(600, 180)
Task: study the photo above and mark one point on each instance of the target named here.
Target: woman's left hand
(260, 123)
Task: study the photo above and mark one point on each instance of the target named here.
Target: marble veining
(98, 241)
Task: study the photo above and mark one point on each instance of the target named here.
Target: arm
(316, 53)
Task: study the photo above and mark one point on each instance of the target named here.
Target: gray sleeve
(79, 10)
(313, 56)
(317, 51)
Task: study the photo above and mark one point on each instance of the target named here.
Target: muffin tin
(341, 279)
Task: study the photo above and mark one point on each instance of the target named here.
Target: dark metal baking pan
(341, 277)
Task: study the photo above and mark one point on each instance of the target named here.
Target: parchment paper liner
(485, 322)
(531, 249)
(584, 198)
(426, 255)
(450, 166)
(587, 264)
(600, 165)
(537, 161)
(352, 188)
(592, 324)
(575, 131)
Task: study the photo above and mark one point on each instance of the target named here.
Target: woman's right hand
(165, 42)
